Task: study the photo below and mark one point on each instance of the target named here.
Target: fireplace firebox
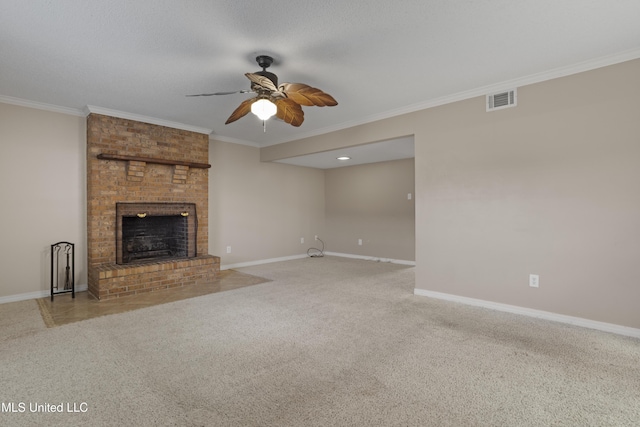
(149, 232)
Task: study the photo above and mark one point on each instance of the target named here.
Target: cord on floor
(315, 252)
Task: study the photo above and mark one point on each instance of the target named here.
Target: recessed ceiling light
(344, 158)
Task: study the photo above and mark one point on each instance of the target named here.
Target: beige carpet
(327, 342)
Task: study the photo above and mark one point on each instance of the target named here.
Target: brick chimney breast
(151, 164)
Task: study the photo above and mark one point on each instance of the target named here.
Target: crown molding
(99, 110)
(580, 67)
(41, 106)
(145, 119)
(460, 96)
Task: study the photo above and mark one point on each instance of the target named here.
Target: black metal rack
(63, 253)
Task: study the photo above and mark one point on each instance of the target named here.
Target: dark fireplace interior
(154, 237)
(149, 232)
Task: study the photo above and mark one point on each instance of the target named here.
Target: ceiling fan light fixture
(284, 100)
(263, 108)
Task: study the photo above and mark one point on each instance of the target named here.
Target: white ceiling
(377, 58)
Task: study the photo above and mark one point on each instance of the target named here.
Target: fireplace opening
(147, 232)
(155, 237)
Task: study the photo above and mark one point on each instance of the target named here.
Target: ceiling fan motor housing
(265, 62)
(269, 75)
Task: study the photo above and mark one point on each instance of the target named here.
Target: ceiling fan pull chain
(264, 126)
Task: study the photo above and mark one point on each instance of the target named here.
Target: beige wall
(260, 209)
(42, 176)
(370, 202)
(549, 187)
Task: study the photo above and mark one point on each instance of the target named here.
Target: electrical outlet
(409, 196)
(359, 242)
(315, 237)
(301, 240)
(228, 249)
(534, 280)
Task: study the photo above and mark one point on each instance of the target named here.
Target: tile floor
(65, 309)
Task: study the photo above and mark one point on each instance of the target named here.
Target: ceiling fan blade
(306, 95)
(222, 93)
(289, 111)
(241, 111)
(261, 81)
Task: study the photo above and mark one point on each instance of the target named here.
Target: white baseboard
(35, 295)
(261, 261)
(370, 258)
(289, 258)
(577, 321)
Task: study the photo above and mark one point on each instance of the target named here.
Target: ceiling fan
(285, 100)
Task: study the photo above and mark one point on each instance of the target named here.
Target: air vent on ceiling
(497, 101)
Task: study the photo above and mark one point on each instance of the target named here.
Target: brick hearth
(114, 280)
(134, 162)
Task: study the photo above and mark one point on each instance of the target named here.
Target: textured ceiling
(377, 58)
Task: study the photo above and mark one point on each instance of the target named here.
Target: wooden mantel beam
(105, 156)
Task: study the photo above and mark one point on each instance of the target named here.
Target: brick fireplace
(147, 207)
